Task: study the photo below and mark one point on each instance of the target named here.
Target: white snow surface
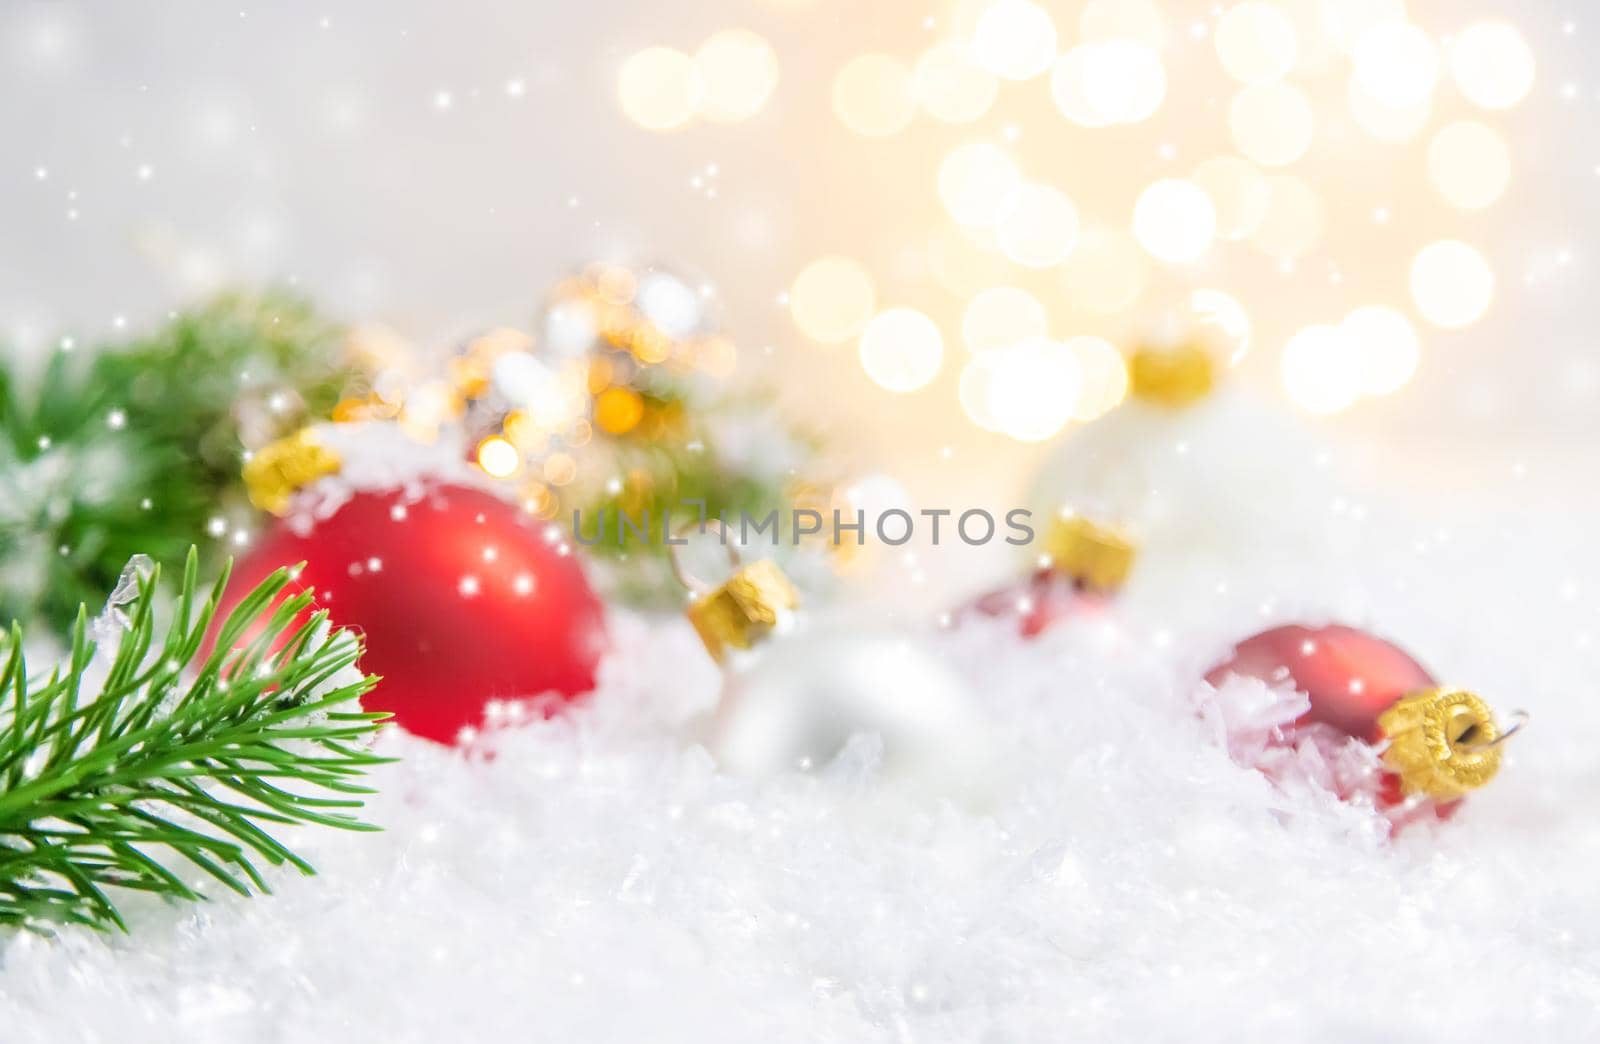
(595, 878)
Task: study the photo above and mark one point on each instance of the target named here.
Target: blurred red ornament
(460, 597)
(1044, 599)
(1085, 565)
(1436, 743)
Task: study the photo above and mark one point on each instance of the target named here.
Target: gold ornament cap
(278, 470)
(1094, 555)
(744, 609)
(1442, 742)
(1172, 377)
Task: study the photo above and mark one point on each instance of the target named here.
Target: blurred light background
(928, 224)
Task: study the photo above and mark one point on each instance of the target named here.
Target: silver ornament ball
(796, 700)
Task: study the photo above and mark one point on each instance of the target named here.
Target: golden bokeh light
(1108, 83)
(1002, 315)
(832, 299)
(1469, 164)
(950, 84)
(1035, 389)
(1137, 20)
(1038, 226)
(976, 183)
(1316, 51)
(1321, 371)
(660, 89)
(1387, 346)
(540, 500)
(872, 95)
(1028, 390)
(618, 410)
(1014, 39)
(739, 71)
(551, 396)
(972, 391)
(522, 431)
(901, 350)
(1346, 22)
(1069, 88)
(1272, 123)
(1219, 323)
(1104, 377)
(1239, 192)
(1396, 64)
(1295, 221)
(1492, 65)
(1256, 42)
(1106, 273)
(1387, 122)
(1175, 221)
(498, 457)
(1308, 86)
(560, 469)
(1451, 284)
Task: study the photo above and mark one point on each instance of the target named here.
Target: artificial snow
(594, 877)
(376, 455)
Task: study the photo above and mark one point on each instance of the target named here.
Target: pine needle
(165, 763)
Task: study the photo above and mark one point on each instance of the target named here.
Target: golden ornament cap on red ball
(277, 471)
(1442, 742)
(1438, 742)
(1093, 555)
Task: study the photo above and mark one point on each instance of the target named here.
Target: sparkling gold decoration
(471, 370)
(367, 407)
(1095, 556)
(540, 501)
(1173, 377)
(618, 410)
(617, 343)
(560, 469)
(663, 419)
(277, 471)
(608, 297)
(498, 457)
(744, 609)
(1442, 742)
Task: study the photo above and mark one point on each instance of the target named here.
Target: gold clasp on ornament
(1171, 377)
(742, 609)
(1444, 742)
(278, 470)
(1092, 555)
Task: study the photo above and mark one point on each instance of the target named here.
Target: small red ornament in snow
(462, 599)
(1085, 565)
(1435, 743)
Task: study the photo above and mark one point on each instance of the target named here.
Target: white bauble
(1213, 475)
(797, 699)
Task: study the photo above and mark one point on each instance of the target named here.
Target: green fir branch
(116, 776)
(131, 448)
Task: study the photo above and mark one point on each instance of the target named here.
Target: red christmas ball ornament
(1085, 564)
(1434, 743)
(1041, 601)
(460, 597)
